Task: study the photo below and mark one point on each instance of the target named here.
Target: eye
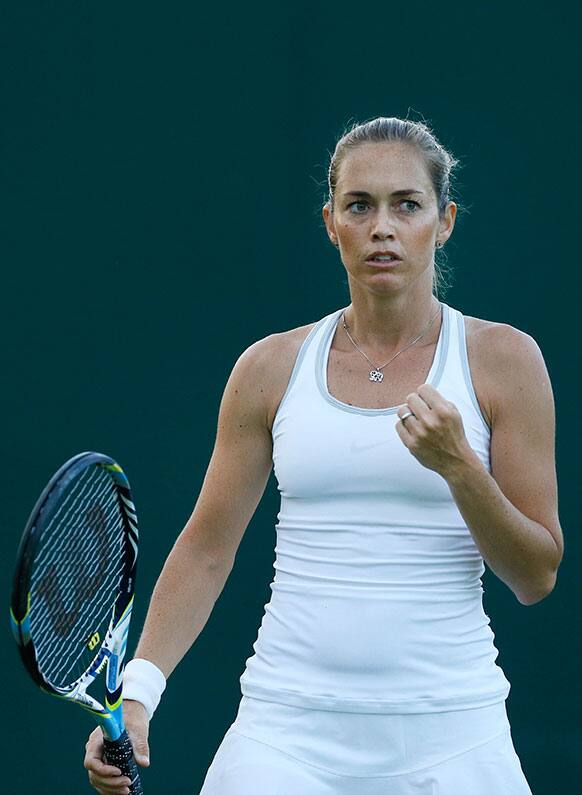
(413, 206)
(362, 204)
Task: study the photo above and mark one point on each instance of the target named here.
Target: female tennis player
(411, 444)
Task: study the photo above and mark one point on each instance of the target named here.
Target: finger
(137, 724)
(95, 764)
(405, 415)
(431, 396)
(141, 751)
(116, 785)
(403, 432)
(93, 761)
(408, 420)
(109, 791)
(100, 768)
(418, 405)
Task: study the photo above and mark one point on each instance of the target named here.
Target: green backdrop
(163, 170)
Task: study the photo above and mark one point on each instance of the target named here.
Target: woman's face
(384, 200)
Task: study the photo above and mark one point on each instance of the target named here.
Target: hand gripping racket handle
(119, 753)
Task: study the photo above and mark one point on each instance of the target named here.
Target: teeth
(384, 259)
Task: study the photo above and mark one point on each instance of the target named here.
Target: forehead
(383, 166)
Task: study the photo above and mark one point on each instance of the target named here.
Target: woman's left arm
(512, 513)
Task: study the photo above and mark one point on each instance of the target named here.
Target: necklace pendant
(376, 375)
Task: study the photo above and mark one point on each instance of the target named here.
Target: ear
(448, 222)
(329, 223)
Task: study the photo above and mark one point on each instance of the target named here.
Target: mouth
(383, 258)
(383, 263)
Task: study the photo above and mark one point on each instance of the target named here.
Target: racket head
(74, 580)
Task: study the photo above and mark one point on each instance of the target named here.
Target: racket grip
(120, 754)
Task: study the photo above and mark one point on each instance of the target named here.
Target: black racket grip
(119, 753)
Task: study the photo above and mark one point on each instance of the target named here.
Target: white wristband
(144, 682)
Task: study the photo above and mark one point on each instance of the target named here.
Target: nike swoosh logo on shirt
(359, 448)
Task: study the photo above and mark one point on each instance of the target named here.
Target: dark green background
(162, 175)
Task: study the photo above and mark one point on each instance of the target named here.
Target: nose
(382, 226)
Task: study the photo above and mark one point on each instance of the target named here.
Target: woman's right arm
(203, 555)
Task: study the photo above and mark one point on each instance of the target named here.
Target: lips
(375, 254)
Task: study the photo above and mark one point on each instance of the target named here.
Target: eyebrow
(404, 192)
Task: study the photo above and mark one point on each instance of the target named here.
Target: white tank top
(376, 603)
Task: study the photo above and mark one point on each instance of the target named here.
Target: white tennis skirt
(276, 749)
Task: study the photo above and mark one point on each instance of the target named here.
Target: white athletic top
(376, 603)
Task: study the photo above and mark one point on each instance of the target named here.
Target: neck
(389, 322)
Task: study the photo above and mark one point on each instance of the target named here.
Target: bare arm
(198, 566)
(512, 513)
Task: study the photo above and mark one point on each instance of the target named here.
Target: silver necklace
(375, 373)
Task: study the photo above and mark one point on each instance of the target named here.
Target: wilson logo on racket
(93, 641)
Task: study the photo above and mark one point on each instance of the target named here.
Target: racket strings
(85, 490)
(87, 548)
(65, 652)
(76, 577)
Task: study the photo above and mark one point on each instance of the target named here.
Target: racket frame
(111, 652)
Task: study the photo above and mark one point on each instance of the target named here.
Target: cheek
(348, 232)
(421, 235)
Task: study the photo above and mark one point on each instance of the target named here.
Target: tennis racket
(73, 592)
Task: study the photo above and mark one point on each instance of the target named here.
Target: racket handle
(119, 753)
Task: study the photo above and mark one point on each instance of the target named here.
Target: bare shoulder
(499, 343)
(504, 361)
(270, 364)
